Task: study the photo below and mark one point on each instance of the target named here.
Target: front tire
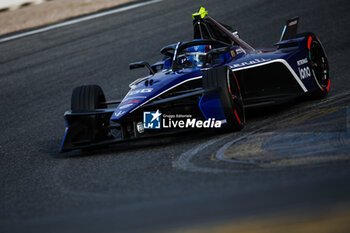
(87, 99)
(230, 95)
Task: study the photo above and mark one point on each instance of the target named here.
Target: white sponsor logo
(191, 123)
(293, 23)
(135, 97)
(304, 72)
(239, 51)
(125, 106)
(119, 113)
(145, 90)
(252, 62)
(302, 62)
(153, 120)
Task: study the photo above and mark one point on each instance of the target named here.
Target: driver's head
(197, 54)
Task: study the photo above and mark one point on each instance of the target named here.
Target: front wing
(95, 129)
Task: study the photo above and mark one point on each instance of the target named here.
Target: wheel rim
(319, 64)
(236, 97)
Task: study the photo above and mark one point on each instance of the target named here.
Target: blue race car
(211, 80)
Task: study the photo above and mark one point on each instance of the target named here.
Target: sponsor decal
(117, 114)
(140, 91)
(252, 62)
(155, 120)
(191, 123)
(182, 60)
(125, 106)
(233, 53)
(136, 97)
(302, 62)
(130, 102)
(239, 51)
(304, 72)
(293, 23)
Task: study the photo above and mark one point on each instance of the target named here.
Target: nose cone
(151, 88)
(135, 98)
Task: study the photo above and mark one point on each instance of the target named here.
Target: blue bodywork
(166, 79)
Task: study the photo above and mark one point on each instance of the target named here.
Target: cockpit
(197, 53)
(195, 56)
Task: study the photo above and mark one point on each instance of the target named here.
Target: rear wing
(290, 29)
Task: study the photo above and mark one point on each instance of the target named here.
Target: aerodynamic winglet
(290, 29)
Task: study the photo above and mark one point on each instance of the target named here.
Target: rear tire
(230, 95)
(318, 61)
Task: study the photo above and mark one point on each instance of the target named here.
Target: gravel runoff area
(51, 12)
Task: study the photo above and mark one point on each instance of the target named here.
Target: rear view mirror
(141, 64)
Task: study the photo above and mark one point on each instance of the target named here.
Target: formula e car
(212, 79)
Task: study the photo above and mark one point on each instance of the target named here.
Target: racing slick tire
(319, 66)
(87, 99)
(230, 95)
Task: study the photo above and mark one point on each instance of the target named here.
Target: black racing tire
(319, 66)
(230, 95)
(87, 98)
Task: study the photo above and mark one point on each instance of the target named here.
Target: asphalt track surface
(293, 159)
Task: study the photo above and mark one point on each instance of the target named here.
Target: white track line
(220, 154)
(184, 161)
(74, 21)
